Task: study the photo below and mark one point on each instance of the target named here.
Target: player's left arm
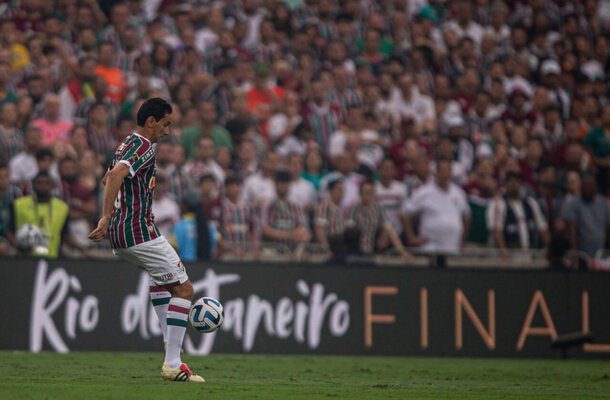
(114, 180)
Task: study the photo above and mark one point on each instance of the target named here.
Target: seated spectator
(283, 222)
(239, 226)
(166, 167)
(443, 211)
(283, 123)
(193, 236)
(346, 165)
(45, 162)
(374, 231)
(515, 221)
(247, 159)
(49, 214)
(11, 136)
(588, 219)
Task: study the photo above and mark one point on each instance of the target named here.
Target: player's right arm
(114, 180)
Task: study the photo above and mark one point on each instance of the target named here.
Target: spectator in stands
(443, 211)
(175, 176)
(514, 221)
(346, 166)
(8, 194)
(547, 194)
(259, 188)
(301, 191)
(101, 137)
(283, 123)
(211, 198)
(264, 99)
(48, 213)
(283, 222)
(313, 167)
(374, 230)
(81, 199)
(421, 174)
(329, 223)
(203, 163)
(51, 126)
(588, 219)
(239, 227)
(164, 207)
(391, 195)
(597, 141)
(208, 127)
(11, 136)
(106, 68)
(480, 190)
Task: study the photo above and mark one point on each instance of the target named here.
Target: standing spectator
(514, 221)
(329, 224)
(259, 188)
(346, 165)
(283, 222)
(100, 135)
(174, 174)
(164, 207)
(212, 199)
(313, 168)
(51, 126)
(598, 141)
(23, 165)
(588, 219)
(283, 123)
(264, 98)
(323, 116)
(8, 194)
(375, 233)
(391, 195)
(443, 211)
(11, 136)
(239, 226)
(301, 191)
(81, 199)
(48, 213)
(208, 127)
(115, 78)
(480, 189)
(547, 195)
(247, 159)
(203, 163)
(79, 88)
(99, 88)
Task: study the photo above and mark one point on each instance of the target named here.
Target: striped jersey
(238, 224)
(132, 221)
(284, 216)
(369, 220)
(330, 216)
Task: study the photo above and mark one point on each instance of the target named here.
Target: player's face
(160, 128)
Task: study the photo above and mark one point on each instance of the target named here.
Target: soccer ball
(206, 315)
(28, 237)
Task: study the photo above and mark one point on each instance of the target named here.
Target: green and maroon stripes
(177, 315)
(132, 221)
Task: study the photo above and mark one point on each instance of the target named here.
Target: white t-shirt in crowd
(441, 216)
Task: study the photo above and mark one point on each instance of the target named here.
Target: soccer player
(128, 222)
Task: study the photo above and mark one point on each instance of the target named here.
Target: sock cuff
(177, 301)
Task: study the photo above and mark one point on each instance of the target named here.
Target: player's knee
(184, 291)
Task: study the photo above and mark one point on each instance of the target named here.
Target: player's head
(153, 117)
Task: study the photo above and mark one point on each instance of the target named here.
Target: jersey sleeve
(136, 156)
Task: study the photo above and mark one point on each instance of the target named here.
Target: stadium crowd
(364, 126)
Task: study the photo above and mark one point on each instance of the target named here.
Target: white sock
(160, 298)
(177, 321)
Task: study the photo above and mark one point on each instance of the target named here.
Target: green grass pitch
(85, 375)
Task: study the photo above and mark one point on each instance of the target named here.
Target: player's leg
(167, 271)
(160, 297)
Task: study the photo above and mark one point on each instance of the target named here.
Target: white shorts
(157, 257)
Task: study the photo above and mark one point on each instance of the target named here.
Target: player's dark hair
(155, 107)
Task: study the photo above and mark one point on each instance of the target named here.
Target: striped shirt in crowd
(323, 120)
(369, 220)
(176, 179)
(132, 221)
(104, 144)
(284, 216)
(11, 143)
(329, 216)
(238, 225)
